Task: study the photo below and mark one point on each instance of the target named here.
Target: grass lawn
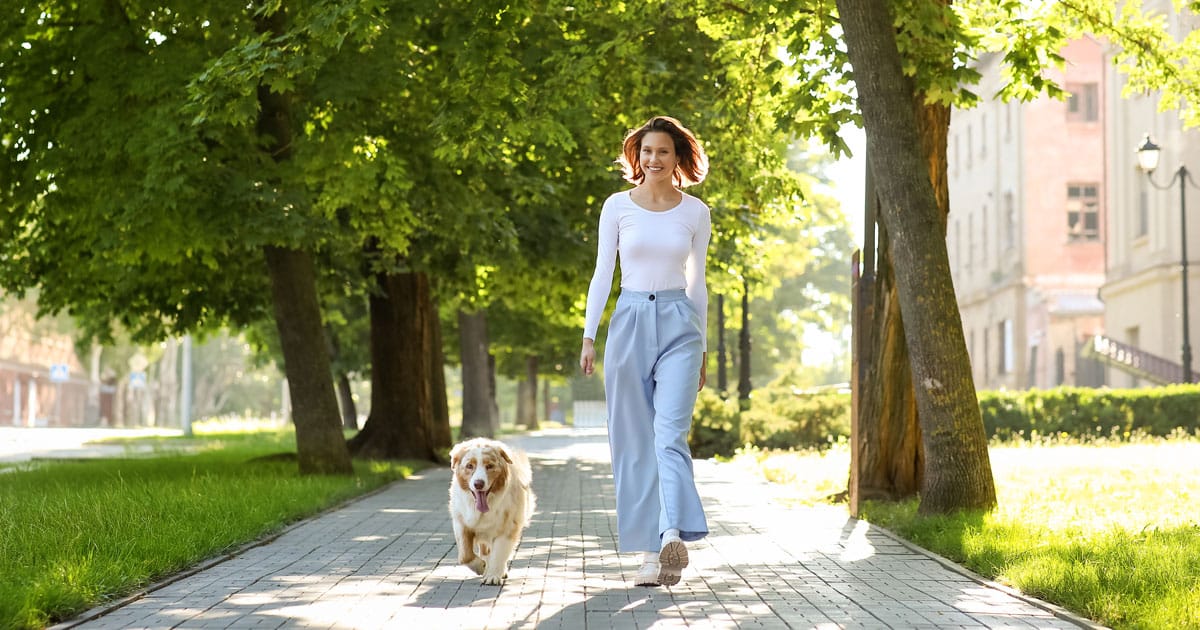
(1110, 531)
(75, 533)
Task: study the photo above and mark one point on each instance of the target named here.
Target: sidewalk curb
(104, 609)
(1057, 611)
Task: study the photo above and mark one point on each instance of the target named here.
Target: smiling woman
(656, 342)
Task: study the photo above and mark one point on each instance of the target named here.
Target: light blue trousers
(651, 372)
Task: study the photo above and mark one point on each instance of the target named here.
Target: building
(1143, 288)
(1026, 230)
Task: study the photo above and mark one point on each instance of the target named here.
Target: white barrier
(589, 414)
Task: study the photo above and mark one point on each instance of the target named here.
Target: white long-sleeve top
(659, 251)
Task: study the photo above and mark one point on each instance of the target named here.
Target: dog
(491, 502)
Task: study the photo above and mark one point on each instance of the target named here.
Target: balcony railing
(1136, 361)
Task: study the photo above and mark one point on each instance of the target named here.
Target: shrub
(715, 426)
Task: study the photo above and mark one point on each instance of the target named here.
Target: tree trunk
(958, 471)
(167, 396)
(722, 375)
(346, 402)
(341, 381)
(319, 443)
(744, 350)
(92, 411)
(440, 432)
(400, 425)
(527, 395)
(320, 447)
(495, 405)
(476, 395)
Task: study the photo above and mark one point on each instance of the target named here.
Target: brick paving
(388, 561)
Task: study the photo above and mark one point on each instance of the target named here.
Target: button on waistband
(651, 297)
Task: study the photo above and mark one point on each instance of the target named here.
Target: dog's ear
(456, 454)
(504, 454)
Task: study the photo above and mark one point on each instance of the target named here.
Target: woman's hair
(693, 164)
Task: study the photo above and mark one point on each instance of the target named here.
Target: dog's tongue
(481, 500)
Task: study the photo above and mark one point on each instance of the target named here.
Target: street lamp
(1147, 157)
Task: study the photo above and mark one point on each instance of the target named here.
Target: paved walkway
(388, 561)
(20, 444)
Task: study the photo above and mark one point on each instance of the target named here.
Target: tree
(952, 430)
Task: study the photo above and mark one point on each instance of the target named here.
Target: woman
(656, 343)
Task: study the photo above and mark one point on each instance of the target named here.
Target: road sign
(137, 380)
(59, 373)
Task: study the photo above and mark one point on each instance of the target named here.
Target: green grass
(75, 533)
(1110, 531)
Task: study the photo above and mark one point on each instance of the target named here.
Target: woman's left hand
(703, 370)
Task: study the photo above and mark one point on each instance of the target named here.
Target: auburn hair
(693, 163)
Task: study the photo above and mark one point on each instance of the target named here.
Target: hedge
(782, 418)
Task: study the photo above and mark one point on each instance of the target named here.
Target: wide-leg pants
(651, 373)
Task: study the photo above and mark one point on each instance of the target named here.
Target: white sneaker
(671, 561)
(647, 575)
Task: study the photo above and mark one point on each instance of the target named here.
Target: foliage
(715, 426)
(783, 418)
(1085, 412)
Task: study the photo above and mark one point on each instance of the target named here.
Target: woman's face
(658, 156)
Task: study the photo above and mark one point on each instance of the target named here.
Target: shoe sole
(671, 561)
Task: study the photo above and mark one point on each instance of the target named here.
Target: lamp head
(1147, 154)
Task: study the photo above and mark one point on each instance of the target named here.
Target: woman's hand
(587, 357)
(703, 370)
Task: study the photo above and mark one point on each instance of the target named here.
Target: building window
(969, 255)
(1083, 212)
(1083, 104)
(970, 145)
(958, 251)
(957, 155)
(1143, 213)
(983, 137)
(986, 360)
(983, 236)
(1010, 222)
(1006, 346)
(1060, 367)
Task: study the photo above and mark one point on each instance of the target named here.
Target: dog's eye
(470, 466)
(491, 466)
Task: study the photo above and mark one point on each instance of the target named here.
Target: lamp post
(1147, 157)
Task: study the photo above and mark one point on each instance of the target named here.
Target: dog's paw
(493, 579)
(477, 565)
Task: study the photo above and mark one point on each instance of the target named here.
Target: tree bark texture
(320, 446)
(891, 461)
(527, 415)
(341, 381)
(443, 439)
(401, 422)
(722, 375)
(477, 400)
(958, 471)
(346, 402)
(744, 387)
(491, 363)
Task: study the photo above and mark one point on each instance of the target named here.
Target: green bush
(783, 418)
(1084, 412)
(715, 426)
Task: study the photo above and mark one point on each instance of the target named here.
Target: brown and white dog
(491, 502)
